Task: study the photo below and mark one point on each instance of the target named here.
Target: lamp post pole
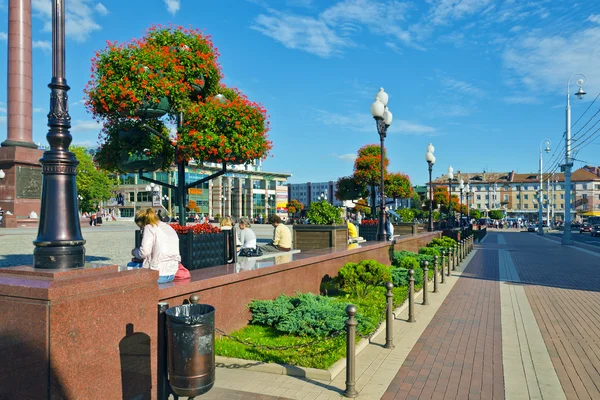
(468, 192)
(450, 213)
(430, 158)
(59, 243)
(461, 186)
(546, 145)
(383, 119)
(566, 238)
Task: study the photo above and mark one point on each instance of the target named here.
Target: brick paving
(563, 287)
(459, 355)
(229, 394)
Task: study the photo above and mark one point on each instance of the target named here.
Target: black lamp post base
(59, 257)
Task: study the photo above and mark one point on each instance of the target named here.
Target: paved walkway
(519, 319)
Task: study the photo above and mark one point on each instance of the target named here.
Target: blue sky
(483, 80)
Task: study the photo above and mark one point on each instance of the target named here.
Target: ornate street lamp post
(59, 243)
(430, 158)
(450, 213)
(461, 186)
(468, 191)
(566, 238)
(545, 144)
(383, 119)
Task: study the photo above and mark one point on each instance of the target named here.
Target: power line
(586, 110)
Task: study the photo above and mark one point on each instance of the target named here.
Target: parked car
(575, 225)
(585, 228)
(532, 228)
(596, 230)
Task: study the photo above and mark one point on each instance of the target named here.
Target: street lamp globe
(377, 109)
(430, 148)
(430, 158)
(461, 184)
(387, 117)
(580, 93)
(2, 174)
(450, 172)
(382, 96)
(148, 188)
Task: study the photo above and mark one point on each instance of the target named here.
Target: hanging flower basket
(151, 109)
(133, 162)
(128, 146)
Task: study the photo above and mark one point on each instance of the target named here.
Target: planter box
(204, 250)
(368, 232)
(310, 237)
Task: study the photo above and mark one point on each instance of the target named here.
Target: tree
(367, 169)
(348, 188)
(93, 185)
(362, 207)
(406, 214)
(474, 213)
(294, 206)
(496, 214)
(415, 201)
(397, 186)
(441, 197)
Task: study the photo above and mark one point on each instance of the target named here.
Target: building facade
(310, 192)
(242, 191)
(518, 194)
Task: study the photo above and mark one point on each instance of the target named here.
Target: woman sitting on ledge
(160, 246)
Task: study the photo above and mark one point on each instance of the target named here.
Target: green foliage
(399, 276)
(323, 213)
(306, 314)
(407, 263)
(349, 189)
(93, 185)
(359, 278)
(475, 213)
(431, 251)
(444, 242)
(496, 214)
(406, 214)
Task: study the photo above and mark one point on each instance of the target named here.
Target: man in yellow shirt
(352, 231)
(282, 237)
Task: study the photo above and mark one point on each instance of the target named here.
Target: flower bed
(311, 325)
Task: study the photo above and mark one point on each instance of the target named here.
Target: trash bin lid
(191, 314)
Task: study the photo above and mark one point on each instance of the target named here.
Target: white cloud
(594, 18)
(173, 6)
(302, 33)
(101, 8)
(521, 100)
(79, 14)
(80, 126)
(359, 122)
(444, 11)
(347, 157)
(545, 63)
(3, 110)
(330, 32)
(3, 36)
(455, 85)
(42, 44)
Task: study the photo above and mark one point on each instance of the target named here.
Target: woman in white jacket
(160, 245)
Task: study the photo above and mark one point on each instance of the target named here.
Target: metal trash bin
(191, 348)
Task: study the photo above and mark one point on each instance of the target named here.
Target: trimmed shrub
(444, 242)
(408, 263)
(399, 255)
(430, 251)
(306, 314)
(357, 278)
(399, 276)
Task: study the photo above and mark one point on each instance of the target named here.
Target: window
(144, 196)
(479, 197)
(562, 206)
(584, 196)
(526, 197)
(562, 196)
(526, 205)
(487, 196)
(131, 196)
(505, 197)
(127, 179)
(127, 212)
(518, 196)
(584, 186)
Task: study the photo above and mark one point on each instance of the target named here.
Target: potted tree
(325, 228)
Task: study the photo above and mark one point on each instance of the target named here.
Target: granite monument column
(20, 190)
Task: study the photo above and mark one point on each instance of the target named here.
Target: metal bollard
(350, 352)
(443, 266)
(163, 388)
(435, 274)
(455, 257)
(425, 283)
(389, 320)
(462, 249)
(411, 295)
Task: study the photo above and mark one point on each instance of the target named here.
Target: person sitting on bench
(282, 237)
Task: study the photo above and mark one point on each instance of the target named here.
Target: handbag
(247, 252)
(182, 273)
